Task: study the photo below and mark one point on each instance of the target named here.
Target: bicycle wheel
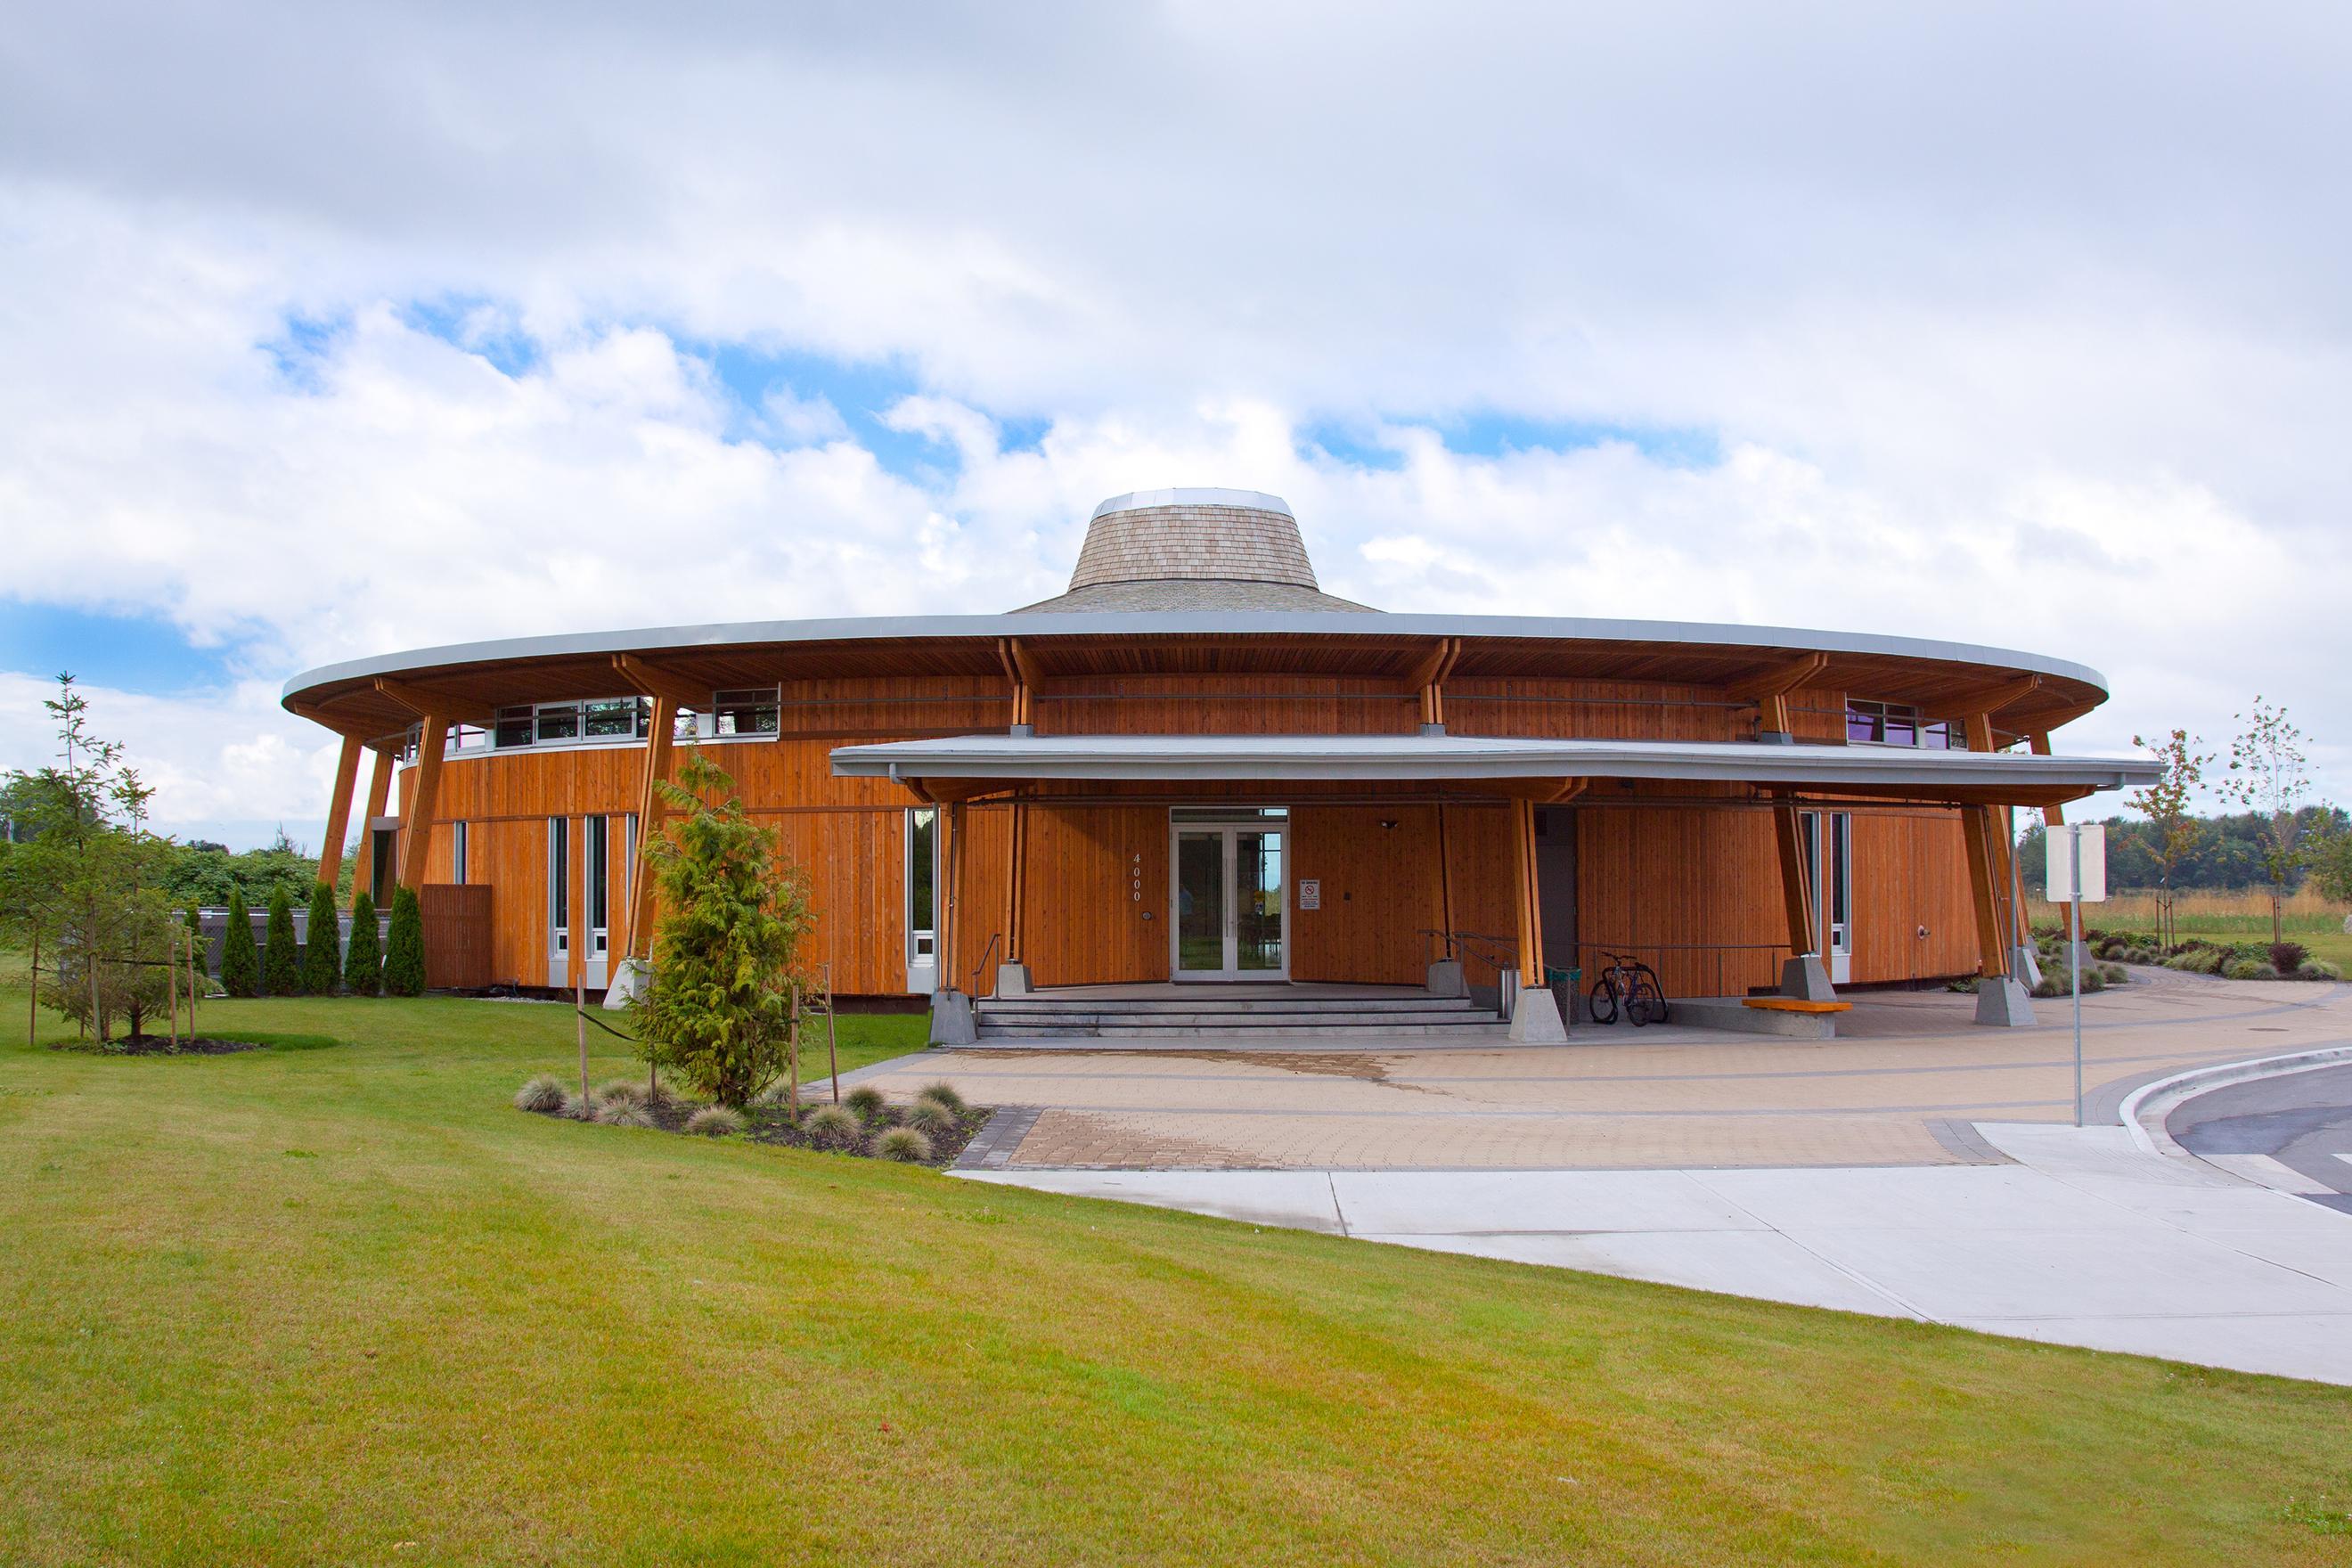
(1647, 1004)
(1602, 1003)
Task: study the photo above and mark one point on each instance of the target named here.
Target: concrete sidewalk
(2085, 1240)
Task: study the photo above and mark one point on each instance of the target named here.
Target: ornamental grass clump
(931, 1119)
(543, 1094)
(832, 1127)
(718, 1013)
(904, 1145)
(942, 1094)
(715, 1121)
(866, 1103)
(621, 1091)
(623, 1113)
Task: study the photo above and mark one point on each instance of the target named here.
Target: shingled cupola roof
(1194, 550)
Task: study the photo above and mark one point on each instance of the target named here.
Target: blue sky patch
(477, 325)
(302, 348)
(1489, 433)
(130, 653)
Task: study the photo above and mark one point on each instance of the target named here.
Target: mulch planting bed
(767, 1125)
(161, 1046)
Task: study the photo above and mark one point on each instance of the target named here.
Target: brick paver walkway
(1613, 1100)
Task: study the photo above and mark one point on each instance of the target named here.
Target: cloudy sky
(329, 330)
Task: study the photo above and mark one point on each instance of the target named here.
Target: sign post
(2081, 875)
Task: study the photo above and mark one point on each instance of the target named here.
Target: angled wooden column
(1531, 908)
(950, 822)
(1999, 847)
(1020, 672)
(1444, 882)
(1992, 942)
(2039, 742)
(1796, 887)
(1016, 869)
(424, 803)
(635, 939)
(1426, 680)
(379, 796)
(1769, 688)
(339, 810)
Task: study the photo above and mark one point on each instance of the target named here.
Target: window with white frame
(1871, 723)
(598, 720)
(756, 711)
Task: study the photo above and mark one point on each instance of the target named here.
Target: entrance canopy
(1900, 771)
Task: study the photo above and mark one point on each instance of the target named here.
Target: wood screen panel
(1085, 917)
(1379, 891)
(856, 865)
(1482, 857)
(457, 936)
(1694, 892)
(1910, 870)
(979, 910)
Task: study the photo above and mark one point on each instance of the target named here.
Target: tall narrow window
(599, 884)
(457, 853)
(922, 901)
(559, 882)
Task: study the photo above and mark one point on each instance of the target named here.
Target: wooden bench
(1797, 1004)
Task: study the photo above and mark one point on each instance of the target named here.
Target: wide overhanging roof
(1436, 759)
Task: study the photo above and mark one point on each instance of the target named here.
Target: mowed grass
(343, 1305)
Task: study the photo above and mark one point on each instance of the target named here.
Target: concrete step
(1489, 1027)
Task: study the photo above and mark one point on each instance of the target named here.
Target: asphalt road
(2303, 1122)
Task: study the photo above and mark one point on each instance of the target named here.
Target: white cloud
(2039, 345)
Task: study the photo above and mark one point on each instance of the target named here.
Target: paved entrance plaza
(1903, 1085)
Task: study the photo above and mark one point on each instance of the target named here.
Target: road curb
(2146, 1108)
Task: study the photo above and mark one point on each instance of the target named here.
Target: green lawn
(343, 1305)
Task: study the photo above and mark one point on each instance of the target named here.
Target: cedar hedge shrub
(240, 971)
(363, 959)
(281, 959)
(403, 962)
(322, 964)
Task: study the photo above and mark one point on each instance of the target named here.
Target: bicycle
(1628, 984)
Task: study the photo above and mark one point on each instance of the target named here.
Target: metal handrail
(987, 967)
(1508, 946)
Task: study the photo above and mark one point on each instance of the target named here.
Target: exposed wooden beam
(1777, 680)
(423, 802)
(1796, 885)
(1530, 906)
(1016, 865)
(379, 796)
(339, 809)
(1992, 942)
(437, 705)
(652, 680)
(1427, 678)
(1985, 700)
(1022, 672)
(635, 939)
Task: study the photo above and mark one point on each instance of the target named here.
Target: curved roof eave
(1179, 623)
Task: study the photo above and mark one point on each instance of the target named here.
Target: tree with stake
(240, 972)
(718, 1012)
(322, 962)
(2267, 777)
(364, 961)
(281, 959)
(404, 962)
(2173, 833)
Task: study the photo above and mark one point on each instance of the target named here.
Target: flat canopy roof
(1907, 770)
(1102, 643)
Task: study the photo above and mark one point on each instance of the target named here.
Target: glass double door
(1230, 892)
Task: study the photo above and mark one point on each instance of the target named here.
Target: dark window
(559, 721)
(599, 829)
(514, 726)
(756, 712)
(611, 718)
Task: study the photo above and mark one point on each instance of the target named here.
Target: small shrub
(904, 1145)
(623, 1113)
(832, 1127)
(240, 963)
(403, 959)
(363, 958)
(2202, 961)
(942, 1094)
(2251, 969)
(866, 1103)
(2286, 957)
(2114, 973)
(543, 1094)
(715, 1121)
(281, 959)
(2319, 969)
(931, 1119)
(1967, 982)
(2093, 979)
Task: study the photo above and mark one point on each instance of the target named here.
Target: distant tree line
(2226, 855)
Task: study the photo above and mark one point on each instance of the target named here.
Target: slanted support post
(1534, 1017)
(1803, 975)
(2039, 743)
(1427, 678)
(638, 910)
(2001, 1001)
(424, 802)
(1022, 672)
(1012, 972)
(379, 796)
(339, 810)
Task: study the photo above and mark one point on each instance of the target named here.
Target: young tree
(718, 1011)
(281, 959)
(322, 958)
(2173, 834)
(240, 973)
(2267, 775)
(364, 961)
(404, 962)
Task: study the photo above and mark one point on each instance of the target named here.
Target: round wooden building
(1196, 767)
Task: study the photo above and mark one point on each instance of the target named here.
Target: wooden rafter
(1777, 680)
(653, 680)
(436, 704)
(1985, 700)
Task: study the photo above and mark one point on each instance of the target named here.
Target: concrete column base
(2003, 1003)
(1012, 980)
(630, 978)
(2025, 963)
(1807, 978)
(1446, 978)
(952, 1020)
(1536, 1020)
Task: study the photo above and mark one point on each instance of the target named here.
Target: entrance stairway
(1200, 1013)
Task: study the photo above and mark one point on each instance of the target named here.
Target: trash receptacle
(1563, 984)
